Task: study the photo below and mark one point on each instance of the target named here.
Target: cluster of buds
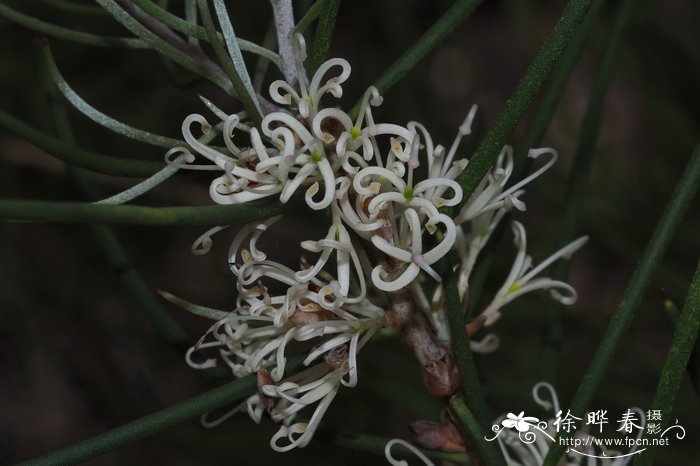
(383, 185)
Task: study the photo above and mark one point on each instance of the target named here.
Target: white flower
(308, 99)
(521, 278)
(490, 195)
(410, 251)
(347, 265)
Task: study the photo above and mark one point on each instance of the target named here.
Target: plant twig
(440, 374)
(284, 25)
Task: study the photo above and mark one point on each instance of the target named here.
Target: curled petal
(213, 155)
(405, 279)
(202, 245)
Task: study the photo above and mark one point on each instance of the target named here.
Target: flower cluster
(383, 186)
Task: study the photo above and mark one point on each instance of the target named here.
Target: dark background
(78, 356)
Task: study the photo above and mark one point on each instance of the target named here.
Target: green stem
(78, 212)
(78, 157)
(153, 423)
(677, 360)
(531, 82)
(427, 42)
(590, 130)
(324, 33)
(487, 450)
(459, 340)
(473, 420)
(626, 311)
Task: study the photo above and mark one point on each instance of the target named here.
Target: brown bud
(264, 378)
(437, 436)
(307, 317)
(441, 377)
(474, 325)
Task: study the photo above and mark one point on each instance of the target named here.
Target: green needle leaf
(309, 17)
(237, 58)
(196, 309)
(120, 214)
(99, 117)
(197, 31)
(538, 71)
(427, 42)
(72, 7)
(146, 426)
(201, 65)
(556, 84)
(324, 33)
(677, 360)
(61, 32)
(626, 310)
(79, 157)
(234, 67)
(475, 417)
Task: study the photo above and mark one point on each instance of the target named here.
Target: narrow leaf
(677, 360)
(151, 424)
(61, 32)
(234, 51)
(196, 309)
(76, 156)
(309, 16)
(72, 7)
(324, 33)
(120, 214)
(198, 32)
(200, 65)
(627, 309)
(538, 71)
(143, 187)
(99, 117)
(239, 82)
(427, 42)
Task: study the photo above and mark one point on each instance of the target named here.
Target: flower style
(521, 278)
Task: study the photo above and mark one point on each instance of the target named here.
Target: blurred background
(78, 356)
